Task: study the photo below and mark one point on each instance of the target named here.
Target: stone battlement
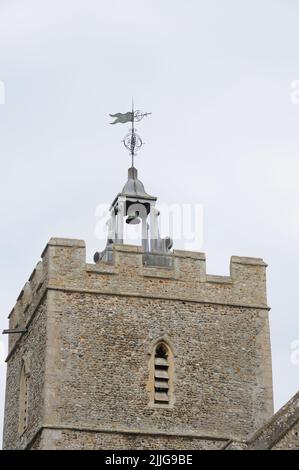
(64, 267)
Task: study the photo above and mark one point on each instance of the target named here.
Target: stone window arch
(161, 378)
(23, 396)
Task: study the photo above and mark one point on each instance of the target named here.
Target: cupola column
(121, 212)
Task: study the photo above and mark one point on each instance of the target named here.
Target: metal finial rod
(132, 132)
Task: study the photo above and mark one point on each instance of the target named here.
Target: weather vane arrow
(131, 141)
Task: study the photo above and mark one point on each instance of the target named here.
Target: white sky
(216, 74)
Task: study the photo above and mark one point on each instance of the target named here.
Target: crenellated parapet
(63, 267)
(186, 278)
(27, 302)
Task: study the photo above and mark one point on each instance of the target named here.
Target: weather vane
(131, 141)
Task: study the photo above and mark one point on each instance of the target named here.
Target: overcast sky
(217, 76)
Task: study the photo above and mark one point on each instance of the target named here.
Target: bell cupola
(133, 215)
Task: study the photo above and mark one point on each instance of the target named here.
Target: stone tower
(141, 349)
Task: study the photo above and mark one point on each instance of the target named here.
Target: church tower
(141, 349)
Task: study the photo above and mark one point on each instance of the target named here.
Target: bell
(132, 220)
